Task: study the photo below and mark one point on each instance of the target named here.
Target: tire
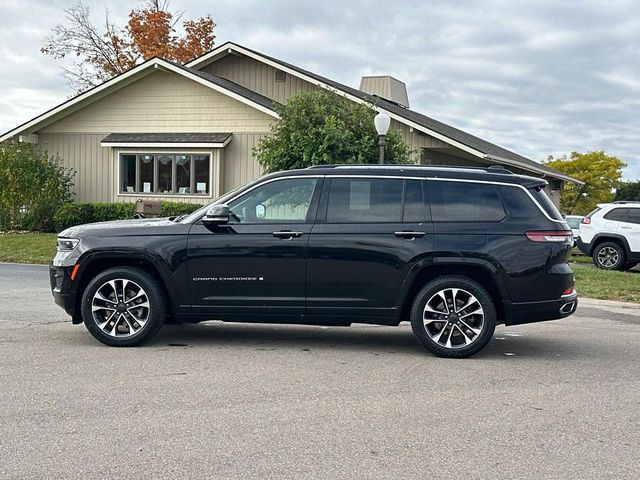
(139, 317)
(609, 256)
(469, 333)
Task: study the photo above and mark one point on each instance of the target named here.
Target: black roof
(166, 138)
(448, 131)
(487, 174)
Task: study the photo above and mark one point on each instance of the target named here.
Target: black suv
(453, 250)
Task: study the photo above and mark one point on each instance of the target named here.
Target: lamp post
(382, 122)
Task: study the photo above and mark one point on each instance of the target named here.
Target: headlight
(67, 244)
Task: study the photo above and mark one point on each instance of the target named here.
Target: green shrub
(175, 209)
(33, 187)
(105, 212)
(75, 213)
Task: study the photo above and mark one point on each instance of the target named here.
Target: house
(186, 132)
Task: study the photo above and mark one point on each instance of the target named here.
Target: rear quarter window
(465, 202)
(545, 202)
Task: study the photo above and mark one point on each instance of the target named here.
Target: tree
(107, 52)
(323, 127)
(628, 191)
(34, 186)
(600, 172)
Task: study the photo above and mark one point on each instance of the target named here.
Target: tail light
(562, 236)
(586, 220)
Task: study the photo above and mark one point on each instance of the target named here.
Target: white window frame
(215, 171)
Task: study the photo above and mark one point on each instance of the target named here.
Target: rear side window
(617, 215)
(519, 204)
(365, 200)
(634, 215)
(465, 202)
(545, 203)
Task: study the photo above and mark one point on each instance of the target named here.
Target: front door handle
(287, 234)
(409, 235)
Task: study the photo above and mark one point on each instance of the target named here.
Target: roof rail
(490, 169)
(622, 202)
(499, 169)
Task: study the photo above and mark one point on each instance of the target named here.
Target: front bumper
(63, 288)
(531, 312)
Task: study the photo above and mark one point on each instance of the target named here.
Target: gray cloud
(539, 78)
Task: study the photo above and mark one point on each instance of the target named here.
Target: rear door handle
(627, 228)
(287, 234)
(409, 235)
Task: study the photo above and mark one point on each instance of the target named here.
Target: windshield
(573, 222)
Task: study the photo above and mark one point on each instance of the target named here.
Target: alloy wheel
(453, 318)
(120, 308)
(608, 257)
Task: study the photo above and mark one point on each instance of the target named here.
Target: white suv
(610, 234)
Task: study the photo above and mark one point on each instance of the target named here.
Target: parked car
(455, 251)
(610, 234)
(574, 224)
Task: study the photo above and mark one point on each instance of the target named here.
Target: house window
(165, 173)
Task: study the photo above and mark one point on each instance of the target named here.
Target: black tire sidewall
(156, 301)
(472, 287)
(621, 256)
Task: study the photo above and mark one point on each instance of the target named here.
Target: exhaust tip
(568, 308)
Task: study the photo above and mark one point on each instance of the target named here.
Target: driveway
(550, 400)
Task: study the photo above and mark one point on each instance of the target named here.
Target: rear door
(367, 233)
(630, 228)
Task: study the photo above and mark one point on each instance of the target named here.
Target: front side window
(165, 173)
(280, 201)
(465, 202)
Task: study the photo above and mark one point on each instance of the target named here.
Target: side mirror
(216, 215)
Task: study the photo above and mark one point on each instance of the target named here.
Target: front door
(256, 263)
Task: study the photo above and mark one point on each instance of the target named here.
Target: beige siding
(258, 77)
(239, 166)
(164, 102)
(416, 140)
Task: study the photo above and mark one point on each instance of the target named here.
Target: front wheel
(453, 317)
(123, 307)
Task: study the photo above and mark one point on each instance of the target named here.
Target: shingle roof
(448, 131)
(166, 138)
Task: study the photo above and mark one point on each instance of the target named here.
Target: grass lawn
(27, 247)
(607, 285)
(579, 257)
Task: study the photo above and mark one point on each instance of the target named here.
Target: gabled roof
(222, 85)
(446, 133)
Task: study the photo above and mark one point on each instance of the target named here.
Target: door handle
(287, 234)
(409, 235)
(626, 228)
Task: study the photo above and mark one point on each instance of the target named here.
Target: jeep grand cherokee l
(455, 251)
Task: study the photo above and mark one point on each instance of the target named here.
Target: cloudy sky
(539, 77)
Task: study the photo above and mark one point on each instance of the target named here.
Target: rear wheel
(453, 317)
(609, 256)
(123, 307)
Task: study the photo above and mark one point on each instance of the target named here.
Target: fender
(604, 236)
(452, 261)
(130, 254)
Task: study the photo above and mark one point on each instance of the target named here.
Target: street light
(382, 122)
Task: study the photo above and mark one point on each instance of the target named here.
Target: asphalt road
(553, 400)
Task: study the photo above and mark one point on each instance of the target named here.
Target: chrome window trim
(403, 177)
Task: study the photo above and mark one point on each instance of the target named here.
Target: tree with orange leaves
(150, 32)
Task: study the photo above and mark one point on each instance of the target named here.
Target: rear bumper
(531, 312)
(582, 246)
